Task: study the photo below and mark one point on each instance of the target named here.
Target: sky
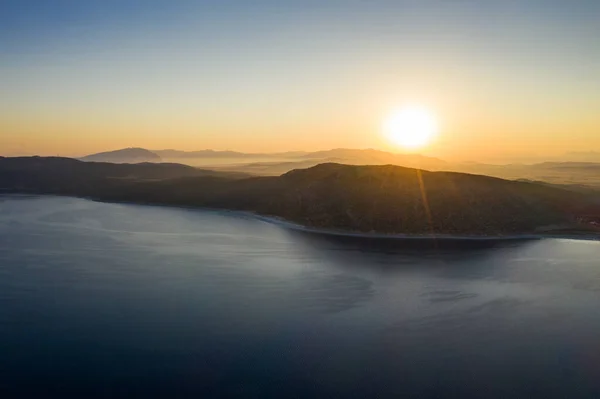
(504, 78)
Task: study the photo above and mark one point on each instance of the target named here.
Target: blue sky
(272, 75)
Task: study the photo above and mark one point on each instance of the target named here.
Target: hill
(377, 157)
(371, 199)
(125, 155)
(279, 160)
(339, 155)
(66, 176)
(275, 164)
(391, 199)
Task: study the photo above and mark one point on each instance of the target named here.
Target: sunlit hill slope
(371, 199)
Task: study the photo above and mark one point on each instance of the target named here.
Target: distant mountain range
(224, 158)
(275, 164)
(125, 155)
(132, 155)
(345, 198)
(67, 176)
(177, 154)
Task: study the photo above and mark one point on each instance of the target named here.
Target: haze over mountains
(231, 158)
(177, 154)
(274, 164)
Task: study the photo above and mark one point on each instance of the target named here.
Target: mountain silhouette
(125, 155)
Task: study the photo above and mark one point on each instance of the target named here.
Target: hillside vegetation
(66, 176)
(372, 199)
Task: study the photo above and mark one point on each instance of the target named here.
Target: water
(113, 300)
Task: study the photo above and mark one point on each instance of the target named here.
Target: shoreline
(395, 236)
(284, 223)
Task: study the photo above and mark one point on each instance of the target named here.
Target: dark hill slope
(378, 199)
(390, 199)
(381, 199)
(54, 175)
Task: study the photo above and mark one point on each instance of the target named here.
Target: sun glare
(411, 127)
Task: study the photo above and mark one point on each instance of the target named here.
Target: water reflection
(147, 301)
(406, 245)
(394, 254)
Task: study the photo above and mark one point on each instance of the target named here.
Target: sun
(411, 127)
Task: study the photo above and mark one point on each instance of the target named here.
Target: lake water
(114, 300)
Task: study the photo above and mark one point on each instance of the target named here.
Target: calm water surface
(112, 300)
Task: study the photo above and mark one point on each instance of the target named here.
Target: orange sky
(277, 77)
